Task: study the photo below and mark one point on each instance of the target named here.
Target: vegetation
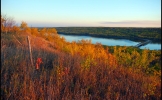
(75, 70)
(134, 34)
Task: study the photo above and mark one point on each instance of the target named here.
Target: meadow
(75, 71)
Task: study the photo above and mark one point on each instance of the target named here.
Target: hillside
(76, 70)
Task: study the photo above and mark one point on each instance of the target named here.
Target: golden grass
(70, 76)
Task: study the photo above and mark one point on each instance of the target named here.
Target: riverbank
(112, 42)
(136, 39)
(134, 34)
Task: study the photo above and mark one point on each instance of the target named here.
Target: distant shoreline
(137, 39)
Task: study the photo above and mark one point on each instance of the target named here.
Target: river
(111, 42)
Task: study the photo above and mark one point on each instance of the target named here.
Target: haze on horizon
(84, 13)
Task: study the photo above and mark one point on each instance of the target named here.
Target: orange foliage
(15, 29)
(42, 32)
(34, 31)
(77, 71)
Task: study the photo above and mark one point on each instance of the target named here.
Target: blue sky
(94, 13)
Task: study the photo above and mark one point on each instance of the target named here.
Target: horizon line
(98, 26)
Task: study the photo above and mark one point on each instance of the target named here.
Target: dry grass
(62, 76)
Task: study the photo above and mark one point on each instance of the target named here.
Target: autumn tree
(15, 29)
(23, 25)
(42, 32)
(10, 24)
(2, 23)
(7, 23)
(34, 31)
(28, 30)
(52, 30)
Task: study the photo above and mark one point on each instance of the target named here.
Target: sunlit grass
(71, 74)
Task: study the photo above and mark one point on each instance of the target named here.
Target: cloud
(143, 23)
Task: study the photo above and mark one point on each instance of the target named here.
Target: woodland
(76, 70)
(131, 33)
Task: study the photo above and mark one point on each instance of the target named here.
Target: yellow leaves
(23, 25)
(52, 30)
(144, 56)
(87, 63)
(34, 31)
(90, 52)
(27, 30)
(157, 73)
(149, 88)
(112, 60)
(42, 32)
(15, 29)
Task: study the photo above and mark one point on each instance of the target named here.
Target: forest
(74, 70)
(131, 33)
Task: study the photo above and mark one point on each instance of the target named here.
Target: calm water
(111, 42)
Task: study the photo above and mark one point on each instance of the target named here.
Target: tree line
(135, 34)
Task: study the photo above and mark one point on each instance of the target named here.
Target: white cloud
(142, 23)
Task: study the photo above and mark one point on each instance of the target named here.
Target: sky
(84, 13)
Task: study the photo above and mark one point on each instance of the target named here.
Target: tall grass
(62, 77)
